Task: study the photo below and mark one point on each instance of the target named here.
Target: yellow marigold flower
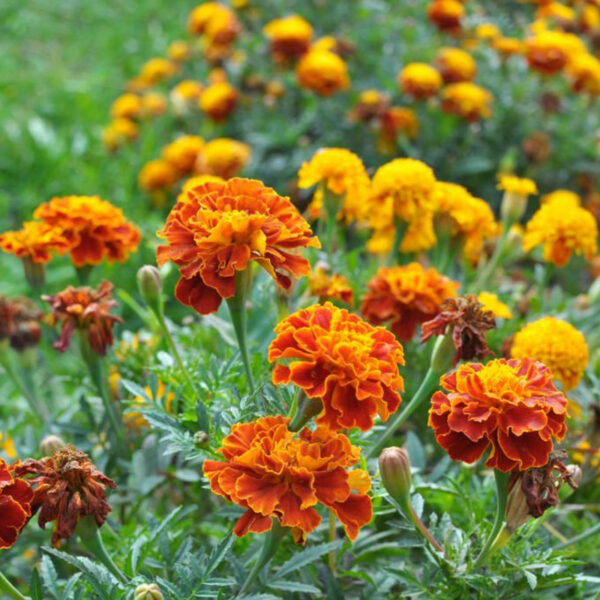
(330, 287)
(566, 196)
(153, 105)
(492, 303)
(562, 228)
(187, 90)
(134, 419)
(419, 80)
(585, 454)
(157, 175)
(290, 37)
(517, 185)
(117, 132)
(555, 10)
(455, 65)
(197, 180)
(589, 17)
(446, 14)
(157, 70)
(470, 217)
(395, 121)
(342, 173)
(183, 153)
(322, 72)
(7, 446)
(201, 16)
(467, 100)
(223, 157)
(507, 46)
(218, 100)
(558, 345)
(36, 241)
(584, 72)
(370, 104)
(550, 51)
(179, 51)
(487, 31)
(418, 237)
(127, 106)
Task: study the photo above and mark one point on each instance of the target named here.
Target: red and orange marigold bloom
(290, 37)
(86, 310)
(336, 356)
(68, 487)
(405, 296)
(326, 286)
(273, 474)
(420, 80)
(508, 406)
(221, 228)
(16, 497)
(36, 241)
(446, 15)
(94, 228)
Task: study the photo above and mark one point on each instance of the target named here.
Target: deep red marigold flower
(94, 228)
(468, 321)
(336, 356)
(271, 473)
(68, 487)
(20, 322)
(87, 310)
(509, 406)
(221, 228)
(16, 497)
(406, 296)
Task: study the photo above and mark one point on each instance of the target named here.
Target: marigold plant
(16, 497)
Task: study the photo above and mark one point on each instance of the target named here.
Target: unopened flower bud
(147, 591)
(594, 291)
(201, 439)
(394, 467)
(51, 444)
(513, 207)
(150, 286)
(443, 354)
(574, 474)
(517, 509)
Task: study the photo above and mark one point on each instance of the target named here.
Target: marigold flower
(420, 80)
(467, 100)
(487, 31)
(290, 37)
(549, 51)
(195, 181)
(127, 106)
(221, 229)
(16, 497)
(370, 104)
(153, 105)
(455, 65)
(217, 23)
(406, 296)
(7, 445)
(397, 120)
(218, 100)
(272, 474)
(157, 70)
(446, 14)
(183, 153)
(558, 345)
(468, 322)
(563, 228)
(565, 196)
(330, 287)
(492, 303)
(86, 310)
(186, 91)
(507, 46)
(584, 72)
(94, 228)
(517, 185)
(157, 175)
(20, 322)
(118, 132)
(179, 51)
(68, 487)
(509, 406)
(134, 419)
(322, 72)
(223, 157)
(35, 241)
(557, 11)
(347, 363)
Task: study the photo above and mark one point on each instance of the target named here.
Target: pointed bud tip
(394, 467)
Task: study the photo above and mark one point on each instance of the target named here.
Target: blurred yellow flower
(157, 175)
(446, 15)
(419, 80)
(584, 73)
(127, 106)
(507, 46)
(492, 303)
(487, 31)
(153, 105)
(330, 287)
(467, 100)
(223, 157)
(290, 37)
(117, 132)
(322, 72)
(134, 419)
(183, 153)
(179, 51)
(550, 51)
(455, 65)
(218, 100)
(157, 70)
(7, 446)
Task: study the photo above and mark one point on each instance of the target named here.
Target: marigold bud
(394, 467)
(150, 285)
(147, 591)
(51, 444)
(443, 354)
(201, 439)
(513, 206)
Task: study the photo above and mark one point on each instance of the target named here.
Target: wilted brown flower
(468, 321)
(86, 310)
(20, 322)
(68, 486)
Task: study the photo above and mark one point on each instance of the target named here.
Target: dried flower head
(508, 406)
(406, 296)
(420, 80)
(347, 363)
(68, 487)
(85, 310)
(322, 72)
(273, 474)
(20, 322)
(16, 497)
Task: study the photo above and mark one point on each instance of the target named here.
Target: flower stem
(332, 557)
(421, 527)
(92, 541)
(493, 541)
(427, 386)
(398, 237)
(83, 274)
(331, 203)
(9, 589)
(307, 408)
(270, 545)
(490, 267)
(578, 538)
(37, 409)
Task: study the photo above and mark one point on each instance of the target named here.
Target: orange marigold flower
(87, 310)
(68, 487)
(510, 406)
(420, 80)
(221, 229)
(179, 51)
(273, 474)
(398, 120)
(371, 104)
(467, 100)
(185, 96)
(127, 106)
(95, 228)
(156, 70)
(157, 175)
(487, 31)
(20, 322)
(183, 153)
(36, 241)
(16, 497)
(584, 73)
(117, 132)
(455, 65)
(347, 363)
(330, 287)
(491, 302)
(406, 296)
(218, 100)
(153, 105)
(549, 51)
(223, 157)
(446, 14)
(322, 72)
(290, 37)
(506, 46)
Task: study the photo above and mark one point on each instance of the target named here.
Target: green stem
(9, 589)
(425, 389)
(93, 543)
(237, 310)
(332, 555)
(492, 542)
(270, 545)
(37, 409)
(331, 203)
(398, 237)
(490, 267)
(83, 274)
(307, 408)
(421, 528)
(578, 538)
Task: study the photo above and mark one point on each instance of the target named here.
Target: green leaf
(218, 554)
(294, 586)
(306, 557)
(49, 576)
(35, 585)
